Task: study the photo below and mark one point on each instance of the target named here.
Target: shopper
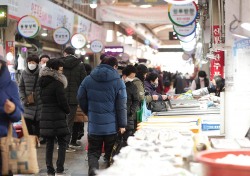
(217, 86)
(43, 60)
(29, 93)
(54, 110)
(10, 104)
(102, 96)
(128, 75)
(201, 81)
(74, 71)
(180, 83)
(151, 84)
(141, 74)
(78, 127)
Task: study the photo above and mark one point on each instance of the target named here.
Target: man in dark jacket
(102, 96)
(128, 75)
(75, 72)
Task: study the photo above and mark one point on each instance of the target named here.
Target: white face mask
(43, 65)
(32, 66)
(127, 79)
(201, 78)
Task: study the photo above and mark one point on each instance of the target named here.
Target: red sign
(216, 32)
(10, 50)
(217, 65)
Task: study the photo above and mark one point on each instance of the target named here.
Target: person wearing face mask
(43, 60)
(151, 84)
(28, 85)
(128, 75)
(140, 76)
(200, 82)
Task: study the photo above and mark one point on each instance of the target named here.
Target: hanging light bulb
(93, 4)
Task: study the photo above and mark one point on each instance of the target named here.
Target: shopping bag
(157, 106)
(143, 113)
(19, 156)
(119, 143)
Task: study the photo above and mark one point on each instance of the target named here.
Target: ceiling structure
(158, 31)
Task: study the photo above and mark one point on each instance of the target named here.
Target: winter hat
(142, 69)
(69, 50)
(2, 58)
(34, 58)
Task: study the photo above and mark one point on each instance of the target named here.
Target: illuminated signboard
(113, 50)
(3, 15)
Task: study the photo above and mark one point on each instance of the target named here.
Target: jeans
(95, 143)
(70, 121)
(62, 143)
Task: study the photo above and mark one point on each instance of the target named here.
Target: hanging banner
(217, 65)
(154, 15)
(96, 46)
(97, 33)
(81, 25)
(182, 15)
(216, 32)
(186, 30)
(49, 14)
(28, 26)
(78, 41)
(61, 36)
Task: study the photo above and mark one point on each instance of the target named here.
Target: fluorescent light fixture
(88, 45)
(145, 6)
(44, 34)
(86, 58)
(109, 37)
(245, 26)
(240, 36)
(117, 22)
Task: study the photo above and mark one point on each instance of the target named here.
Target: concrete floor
(75, 163)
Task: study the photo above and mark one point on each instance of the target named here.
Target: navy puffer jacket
(102, 96)
(8, 90)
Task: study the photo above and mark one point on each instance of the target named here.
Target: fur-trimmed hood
(54, 73)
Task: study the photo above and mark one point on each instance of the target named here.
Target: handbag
(19, 156)
(143, 114)
(30, 99)
(118, 145)
(157, 106)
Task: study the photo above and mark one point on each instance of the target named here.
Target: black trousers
(70, 121)
(95, 143)
(33, 127)
(62, 143)
(78, 128)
